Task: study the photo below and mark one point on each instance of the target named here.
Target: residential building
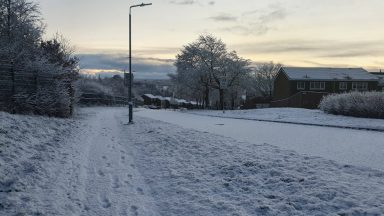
(305, 86)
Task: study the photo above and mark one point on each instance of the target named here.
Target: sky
(311, 33)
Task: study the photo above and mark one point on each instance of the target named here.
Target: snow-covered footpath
(97, 165)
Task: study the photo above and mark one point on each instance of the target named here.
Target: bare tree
(263, 76)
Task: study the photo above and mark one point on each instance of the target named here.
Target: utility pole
(130, 103)
(9, 21)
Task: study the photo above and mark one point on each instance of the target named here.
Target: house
(165, 102)
(304, 86)
(380, 75)
(149, 99)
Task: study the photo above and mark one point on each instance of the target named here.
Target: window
(317, 86)
(300, 85)
(343, 85)
(360, 86)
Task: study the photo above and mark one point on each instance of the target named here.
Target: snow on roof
(316, 73)
(181, 101)
(150, 96)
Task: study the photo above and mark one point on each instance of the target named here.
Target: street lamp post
(130, 104)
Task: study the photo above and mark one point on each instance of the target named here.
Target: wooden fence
(304, 99)
(91, 98)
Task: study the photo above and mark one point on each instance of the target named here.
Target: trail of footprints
(116, 184)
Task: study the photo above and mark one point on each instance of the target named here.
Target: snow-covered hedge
(49, 100)
(358, 104)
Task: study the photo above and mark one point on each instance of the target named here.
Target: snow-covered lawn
(95, 164)
(297, 115)
(195, 173)
(346, 146)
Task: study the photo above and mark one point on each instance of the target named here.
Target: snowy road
(354, 147)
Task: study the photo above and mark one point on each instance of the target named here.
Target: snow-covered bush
(358, 104)
(50, 100)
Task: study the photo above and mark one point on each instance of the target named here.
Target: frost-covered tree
(206, 65)
(51, 63)
(228, 76)
(262, 78)
(21, 29)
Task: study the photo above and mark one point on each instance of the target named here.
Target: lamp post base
(130, 112)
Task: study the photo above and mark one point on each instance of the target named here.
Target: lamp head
(146, 4)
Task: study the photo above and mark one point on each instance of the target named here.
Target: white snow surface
(296, 115)
(54, 166)
(346, 146)
(95, 164)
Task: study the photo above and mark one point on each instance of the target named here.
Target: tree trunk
(221, 91)
(206, 97)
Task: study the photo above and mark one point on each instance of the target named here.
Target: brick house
(304, 86)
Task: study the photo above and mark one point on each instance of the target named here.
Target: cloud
(190, 2)
(317, 48)
(184, 2)
(154, 68)
(223, 18)
(258, 22)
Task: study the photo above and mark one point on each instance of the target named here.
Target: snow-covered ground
(297, 115)
(353, 147)
(95, 164)
(54, 166)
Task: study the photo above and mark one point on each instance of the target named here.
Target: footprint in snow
(134, 210)
(140, 191)
(101, 173)
(122, 161)
(105, 203)
(115, 182)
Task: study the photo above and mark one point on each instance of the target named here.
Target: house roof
(150, 96)
(328, 74)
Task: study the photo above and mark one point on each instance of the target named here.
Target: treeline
(49, 66)
(215, 77)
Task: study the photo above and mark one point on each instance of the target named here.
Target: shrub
(358, 104)
(52, 100)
